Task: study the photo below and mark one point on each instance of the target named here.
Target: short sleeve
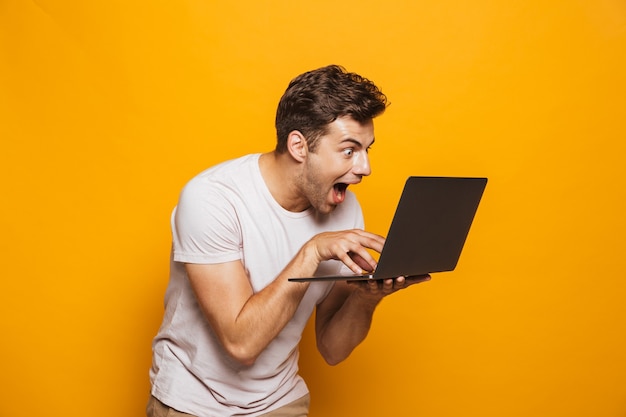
(205, 228)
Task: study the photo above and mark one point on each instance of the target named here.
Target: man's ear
(296, 145)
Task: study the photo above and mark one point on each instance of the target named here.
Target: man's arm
(344, 317)
(246, 322)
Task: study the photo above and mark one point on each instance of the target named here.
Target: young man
(228, 344)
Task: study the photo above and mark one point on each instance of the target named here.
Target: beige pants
(298, 408)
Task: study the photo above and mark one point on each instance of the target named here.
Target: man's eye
(348, 152)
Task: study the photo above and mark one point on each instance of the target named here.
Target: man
(228, 345)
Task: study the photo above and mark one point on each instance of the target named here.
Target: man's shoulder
(230, 173)
(231, 168)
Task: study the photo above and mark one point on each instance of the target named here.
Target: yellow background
(108, 107)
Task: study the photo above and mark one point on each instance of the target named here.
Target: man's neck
(281, 175)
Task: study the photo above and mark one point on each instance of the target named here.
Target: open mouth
(339, 192)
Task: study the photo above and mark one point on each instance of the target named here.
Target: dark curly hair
(316, 98)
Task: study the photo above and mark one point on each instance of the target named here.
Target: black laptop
(428, 231)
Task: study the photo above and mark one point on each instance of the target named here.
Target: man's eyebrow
(357, 142)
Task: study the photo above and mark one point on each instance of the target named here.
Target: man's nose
(362, 164)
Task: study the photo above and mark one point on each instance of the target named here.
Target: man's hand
(350, 247)
(379, 288)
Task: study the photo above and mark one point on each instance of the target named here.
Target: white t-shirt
(224, 214)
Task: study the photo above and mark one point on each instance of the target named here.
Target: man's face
(340, 159)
